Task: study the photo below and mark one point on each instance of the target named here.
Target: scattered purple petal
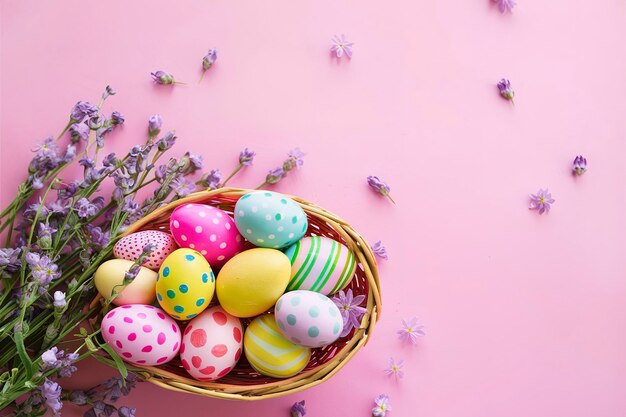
(411, 331)
(504, 86)
(350, 309)
(542, 201)
(379, 250)
(579, 165)
(505, 5)
(382, 406)
(341, 45)
(395, 369)
(298, 409)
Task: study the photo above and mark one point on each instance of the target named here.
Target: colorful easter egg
(270, 220)
(141, 334)
(185, 284)
(212, 344)
(208, 230)
(320, 264)
(270, 353)
(131, 246)
(250, 283)
(308, 318)
(109, 277)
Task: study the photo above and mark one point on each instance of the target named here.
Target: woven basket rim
(306, 379)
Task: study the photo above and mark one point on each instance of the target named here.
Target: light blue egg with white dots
(308, 318)
(270, 220)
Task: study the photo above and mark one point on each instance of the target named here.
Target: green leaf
(118, 361)
(90, 345)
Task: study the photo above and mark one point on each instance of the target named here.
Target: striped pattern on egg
(320, 264)
(270, 353)
(131, 246)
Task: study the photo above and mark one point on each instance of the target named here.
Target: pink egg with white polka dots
(208, 230)
(131, 246)
(212, 344)
(141, 334)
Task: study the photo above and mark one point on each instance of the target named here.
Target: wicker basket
(243, 382)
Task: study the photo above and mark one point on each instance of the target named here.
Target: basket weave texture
(243, 382)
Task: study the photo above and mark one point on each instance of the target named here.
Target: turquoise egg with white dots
(185, 284)
(308, 318)
(270, 220)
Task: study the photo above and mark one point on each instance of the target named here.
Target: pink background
(525, 314)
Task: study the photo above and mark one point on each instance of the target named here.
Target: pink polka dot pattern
(211, 345)
(208, 230)
(131, 246)
(141, 334)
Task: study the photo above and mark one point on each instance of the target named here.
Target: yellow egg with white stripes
(269, 352)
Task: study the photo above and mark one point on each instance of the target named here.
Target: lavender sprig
(164, 78)
(207, 61)
(245, 160)
(380, 187)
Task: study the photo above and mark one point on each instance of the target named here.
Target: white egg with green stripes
(320, 264)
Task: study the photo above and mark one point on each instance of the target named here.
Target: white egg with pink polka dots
(208, 230)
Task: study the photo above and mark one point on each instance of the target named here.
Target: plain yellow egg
(252, 281)
(111, 274)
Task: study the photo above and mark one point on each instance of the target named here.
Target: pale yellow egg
(109, 277)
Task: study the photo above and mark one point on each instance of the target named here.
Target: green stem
(232, 174)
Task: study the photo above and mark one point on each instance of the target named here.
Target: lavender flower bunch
(59, 230)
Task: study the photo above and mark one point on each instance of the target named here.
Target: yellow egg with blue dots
(185, 284)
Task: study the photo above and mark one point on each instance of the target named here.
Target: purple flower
(117, 118)
(59, 300)
(54, 358)
(108, 91)
(51, 391)
(42, 269)
(580, 165)
(36, 182)
(31, 211)
(298, 409)
(162, 77)
(350, 309)
(341, 45)
(504, 86)
(98, 237)
(9, 259)
(541, 201)
(85, 208)
(132, 273)
(274, 175)
(167, 141)
(246, 156)
(124, 411)
(379, 250)
(190, 163)
(48, 149)
(380, 187)
(395, 369)
(44, 235)
(110, 160)
(79, 131)
(411, 331)
(183, 186)
(70, 154)
(209, 59)
(95, 122)
(505, 5)
(294, 160)
(82, 109)
(212, 179)
(154, 125)
(382, 406)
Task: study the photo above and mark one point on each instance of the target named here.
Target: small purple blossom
(51, 392)
(36, 182)
(79, 131)
(125, 411)
(395, 369)
(110, 160)
(350, 309)
(579, 166)
(85, 209)
(246, 157)
(163, 78)
(132, 273)
(379, 186)
(274, 175)
(411, 331)
(117, 118)
(382, 406)
(9, 259)
(167, 141)
(183, 187)
(209, 59)
(505, 5)
(108, 91)
(154, 125)
(212, 179)
(541, 201)
(504, 86)
(98, 237)
(295, 160)
(298, 409)
(57, 359)
(42, 268)
(190, 163)
(341, 45)
(83, 109)
(95, 122)
(379, 250)
(70, 154)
